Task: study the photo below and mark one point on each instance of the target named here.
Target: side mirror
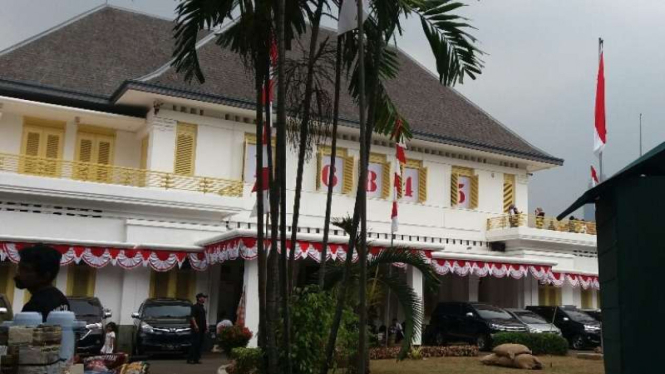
(135, 315)
(566, 319)
(469, 314)
(3, 310)
(107, 313)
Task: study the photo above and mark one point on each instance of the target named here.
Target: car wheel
(483, 342)
(440, 339)
(577, 342)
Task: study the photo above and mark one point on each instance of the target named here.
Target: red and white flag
(400, 155)
(265, 178)
(348, 15)
(600, 132)
(594, 177)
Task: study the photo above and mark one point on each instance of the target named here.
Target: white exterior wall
(135, 289)
(11, 132)
(108, 288)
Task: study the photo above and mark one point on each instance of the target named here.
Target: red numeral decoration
(409, 187)
(371, 181)
(325, 175)
(462, 195)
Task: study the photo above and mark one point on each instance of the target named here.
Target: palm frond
(452, 46)
(398, 255)
(412, 306)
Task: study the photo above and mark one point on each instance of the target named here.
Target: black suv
(471, 322)
(90, 310)
(580, 329)
(162, 325)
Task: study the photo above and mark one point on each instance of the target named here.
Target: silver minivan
(535, 323)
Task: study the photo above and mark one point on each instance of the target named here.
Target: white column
(61, 279)
(135, 289)
(17, 303)
(106, 289)
(577, 296)
(251, 287)
(567, 294)
(530, 291)
(161, 147)
(594, 299)
(474, 284)
(415, 279)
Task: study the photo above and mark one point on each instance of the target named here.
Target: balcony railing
(117, 175)
(539, 222)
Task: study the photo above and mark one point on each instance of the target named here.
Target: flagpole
(600, 154)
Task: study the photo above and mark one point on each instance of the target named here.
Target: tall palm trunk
(333, 155)
(259, 74)
(304, 134)
(281, 177)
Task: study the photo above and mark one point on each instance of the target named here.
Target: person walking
(199, 328)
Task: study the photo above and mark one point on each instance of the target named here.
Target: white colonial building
(143, 181)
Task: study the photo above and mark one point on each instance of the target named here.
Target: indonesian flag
(594, 177)
(400, 155)
(265, 176)
(348, 15)
(600, 132)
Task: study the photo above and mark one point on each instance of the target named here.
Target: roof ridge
(167, 66)
(52, 29)
(130, 10)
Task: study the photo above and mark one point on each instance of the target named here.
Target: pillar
(530, 292)
(161, 148)
(474, 286)
(594, 299)
(135, 289)
(567, 294)
(577, 296)
(251, 288)
(415, 279)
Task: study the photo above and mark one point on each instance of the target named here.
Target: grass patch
(472, 365)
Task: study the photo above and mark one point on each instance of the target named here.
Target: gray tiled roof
(95, 54)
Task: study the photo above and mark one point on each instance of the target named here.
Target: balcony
(108, 187)
(117, 175)
(542, 223)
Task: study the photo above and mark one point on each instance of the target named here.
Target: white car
(534, 323)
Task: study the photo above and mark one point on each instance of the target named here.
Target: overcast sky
(539, 77)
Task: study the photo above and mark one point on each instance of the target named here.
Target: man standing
(199, 328)
(38, 267)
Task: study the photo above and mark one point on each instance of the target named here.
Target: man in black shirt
(199, 328)
(37, 269)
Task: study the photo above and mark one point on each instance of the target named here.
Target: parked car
(6, 313)
(579, 328)
(595, 313)
(534, 323)
(90, 310)
(475, 323)
(162, 325)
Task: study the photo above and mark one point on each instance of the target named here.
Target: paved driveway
(165, 365)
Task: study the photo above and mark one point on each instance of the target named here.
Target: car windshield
(85, 307)
(529, 317)
(490, 312)
(579, 316)
(167, 311)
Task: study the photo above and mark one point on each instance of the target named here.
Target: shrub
(233, 337)
(245, 361)
(540, 344)
(383, 353)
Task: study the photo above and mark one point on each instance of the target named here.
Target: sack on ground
(527, 361)
(511, 350)
(495, 360)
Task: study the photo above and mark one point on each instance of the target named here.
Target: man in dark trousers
(199, 328)
(38, 267)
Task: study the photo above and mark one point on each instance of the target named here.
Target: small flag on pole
(348, 15)
(600, 132)
(265, 176)
(594, 177)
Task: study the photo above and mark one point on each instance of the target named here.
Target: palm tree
(383, 281)
(456, 57)
(249, 35)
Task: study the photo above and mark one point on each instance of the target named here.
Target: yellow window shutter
(347, 188)
(542, 295)
(85, 149)
(185, 149)
(53, 150)
(422, 184)
(31, 143)
(454, 186)
(385, 181)
(474, 192)
(319, 168)
(144, 152)
(105, 150)
(508, 191)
